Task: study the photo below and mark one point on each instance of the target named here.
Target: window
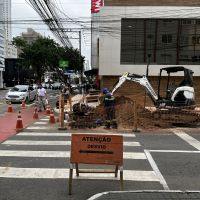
(195, 39)
(168, 44)
(166, 58)
(187, 22)
(150, 36)
(167, 38)
(167, 21)
(184, 39)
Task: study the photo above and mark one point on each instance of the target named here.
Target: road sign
(63, 63)
(97, 149)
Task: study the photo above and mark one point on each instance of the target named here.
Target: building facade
(2, 47)
(133, 33)
(30, 35)
(7, 19)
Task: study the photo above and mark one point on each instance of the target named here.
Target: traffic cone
(23, 103)
(35, 114)
(10, 107)
(48, 111)
(52, 118)
(19, 124)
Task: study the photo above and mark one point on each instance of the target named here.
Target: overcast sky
(75, 9)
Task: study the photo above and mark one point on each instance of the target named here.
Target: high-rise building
(7, 18)
(2, 46)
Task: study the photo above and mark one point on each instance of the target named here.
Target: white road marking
(40, 123)
(173, 151)
(43, 134)
(59, 154)
(187, 138)
(36, 127)
(46, 173)
(68, 134)
(134, 155)
(32, 142)
(41, 142)
(44, 119)
(156, 170)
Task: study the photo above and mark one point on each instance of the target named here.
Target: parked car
(56, 86)
(35, 86)
(20, 92)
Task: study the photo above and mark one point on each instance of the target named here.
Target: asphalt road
(35, 164)
(52, 96)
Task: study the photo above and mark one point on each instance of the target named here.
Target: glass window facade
(164, 41)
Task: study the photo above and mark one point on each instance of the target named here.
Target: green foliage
(44, 55)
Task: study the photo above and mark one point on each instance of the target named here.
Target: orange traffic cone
(48, 111)
(35, 114)
(23, 103)
(10, 107)
(19, 124)
(52, 118)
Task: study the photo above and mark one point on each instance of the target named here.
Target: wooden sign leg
(70, 179)
(77, 171)
(121, 179)
(116, 170)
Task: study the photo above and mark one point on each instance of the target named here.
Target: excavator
(178, 103)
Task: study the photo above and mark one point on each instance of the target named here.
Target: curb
(100, 195)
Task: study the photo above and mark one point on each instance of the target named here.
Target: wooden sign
(97, 149)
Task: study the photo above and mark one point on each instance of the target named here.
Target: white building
(2, 47)
(123, 43)
(7, 19)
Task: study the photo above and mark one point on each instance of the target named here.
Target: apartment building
(129, 34)
(7, 19)
(2, 48)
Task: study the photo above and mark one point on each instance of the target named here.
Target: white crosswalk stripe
(41, 123)
(60, 154)
(42, 173)
(38, 137)
(40, 142)
(69, 134)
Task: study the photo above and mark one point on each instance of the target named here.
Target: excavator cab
(177, 93)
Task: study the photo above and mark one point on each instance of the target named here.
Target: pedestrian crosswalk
(30, 144)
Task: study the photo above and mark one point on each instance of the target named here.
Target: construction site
(173, 105)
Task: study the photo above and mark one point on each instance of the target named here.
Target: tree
(44, 54)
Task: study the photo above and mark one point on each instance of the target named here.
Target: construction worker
(109, 105)
(66, 92)
(41, 97)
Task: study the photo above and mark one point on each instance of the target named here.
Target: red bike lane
(9, 120)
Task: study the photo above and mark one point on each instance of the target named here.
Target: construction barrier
(61, 113)
(48, 109)
(23, 104)
(52, 118)
(19, 123)
(35, 114)
(10, 109)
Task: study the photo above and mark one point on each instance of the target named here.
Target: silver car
(20, 92)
